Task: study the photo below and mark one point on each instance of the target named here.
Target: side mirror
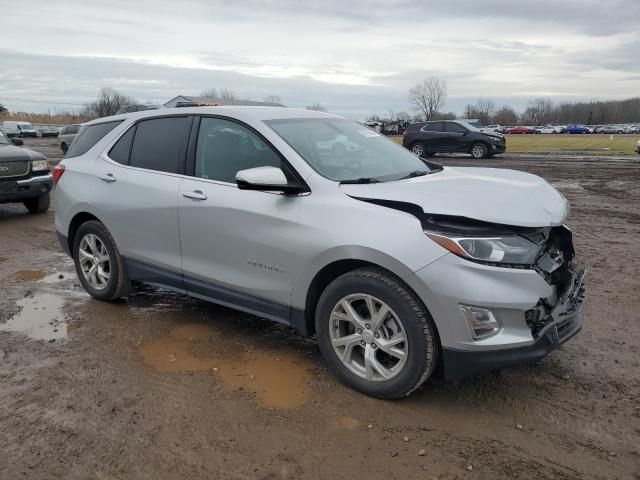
(17, 142)
(266, 179)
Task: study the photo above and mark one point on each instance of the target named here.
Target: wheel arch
(305, 320)
(80, 218)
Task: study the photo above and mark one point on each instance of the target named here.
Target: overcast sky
(354, 57)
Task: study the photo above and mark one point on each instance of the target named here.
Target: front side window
(456, 128)
(160, 143)
(224, 148)
(343, 150)
(89, 136)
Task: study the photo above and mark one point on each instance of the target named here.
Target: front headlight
(511, 249)
(39, 165)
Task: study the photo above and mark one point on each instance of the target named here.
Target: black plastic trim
(459, 364)
(204, 290)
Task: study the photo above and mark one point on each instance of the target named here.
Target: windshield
(343, 150)
(3, 140)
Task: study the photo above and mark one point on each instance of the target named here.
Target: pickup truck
(24, 176)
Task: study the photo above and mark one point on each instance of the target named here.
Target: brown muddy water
(278, 379)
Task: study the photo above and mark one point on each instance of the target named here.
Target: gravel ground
(162, 386)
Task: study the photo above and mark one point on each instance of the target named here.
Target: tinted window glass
(455, 128)
(225, 147)
(160, 143)
(434, 127)
(89, 136)
(120, 151)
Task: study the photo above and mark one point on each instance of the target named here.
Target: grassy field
(570, 144)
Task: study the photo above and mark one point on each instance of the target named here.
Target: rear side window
(89, 136)
(455, 128)
(160, 143)
(121, 150)
(433, 127)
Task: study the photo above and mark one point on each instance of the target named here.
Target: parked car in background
(26, 130)
(66, 136)
(548, 129)
(610, 129)
(47, 130)
(576, 129)
(451, 136)
(24, 176)
(398, 266)
(632, 129)
(519, 130)
(491, 129)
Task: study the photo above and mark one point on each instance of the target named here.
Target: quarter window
(224, 148)
(89, 136)
(160, 143)
(121, 150)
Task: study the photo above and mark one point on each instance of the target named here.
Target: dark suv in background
(427, 138)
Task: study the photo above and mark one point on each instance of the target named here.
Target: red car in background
(518, 130)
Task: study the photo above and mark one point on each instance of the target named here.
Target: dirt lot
(161, 386)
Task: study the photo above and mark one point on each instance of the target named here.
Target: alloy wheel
(418, 149)
(368, 337)
(478, 150)
(95, 262)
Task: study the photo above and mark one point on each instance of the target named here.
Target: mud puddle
(40, 317)
(30, 275)
(279, 379)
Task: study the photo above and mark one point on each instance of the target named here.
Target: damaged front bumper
(560, 324)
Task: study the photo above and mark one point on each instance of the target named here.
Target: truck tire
(38, 204)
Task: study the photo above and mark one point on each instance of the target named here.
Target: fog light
(482, 322)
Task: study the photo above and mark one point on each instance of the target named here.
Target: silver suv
(397, 265)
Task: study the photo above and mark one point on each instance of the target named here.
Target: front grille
(13, 169)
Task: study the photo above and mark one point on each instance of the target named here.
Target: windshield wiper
(361, 180)
(415, 173)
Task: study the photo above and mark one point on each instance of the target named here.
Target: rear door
(136, 191)
(434, 137)
(236, 244)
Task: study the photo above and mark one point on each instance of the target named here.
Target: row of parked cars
(569, 129)
(12, 128)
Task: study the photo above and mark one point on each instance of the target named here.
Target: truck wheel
(38, 204)
(374, 334)
(99, 265)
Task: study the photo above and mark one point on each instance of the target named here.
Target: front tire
(375, 335)
(38, 204)
(479, 151)
(99, 265)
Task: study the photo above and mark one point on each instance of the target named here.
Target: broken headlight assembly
(507, 249)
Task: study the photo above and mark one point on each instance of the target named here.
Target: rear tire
(105, 278)
(38, 204)
(419, 149)
(406, 331)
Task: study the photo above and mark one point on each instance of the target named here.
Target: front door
(236, 244)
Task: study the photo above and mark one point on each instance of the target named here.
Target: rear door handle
(196, 195)
(108, 177)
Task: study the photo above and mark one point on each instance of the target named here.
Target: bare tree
(211, 93)
(272, 99)
(109, 101)
(540, 111)
(316, 107)
(505, 116)
(403, 116)
(227, 95)
(485, 110)
(3, 109)
(428, 96)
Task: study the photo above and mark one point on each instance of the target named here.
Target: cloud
(355, 57)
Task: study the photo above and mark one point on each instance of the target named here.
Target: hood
(506, 197)
(13, 153)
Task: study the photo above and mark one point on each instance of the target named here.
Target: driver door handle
(196, 195)
(108, 177)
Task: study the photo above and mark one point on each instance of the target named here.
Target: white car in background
(548, 129)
